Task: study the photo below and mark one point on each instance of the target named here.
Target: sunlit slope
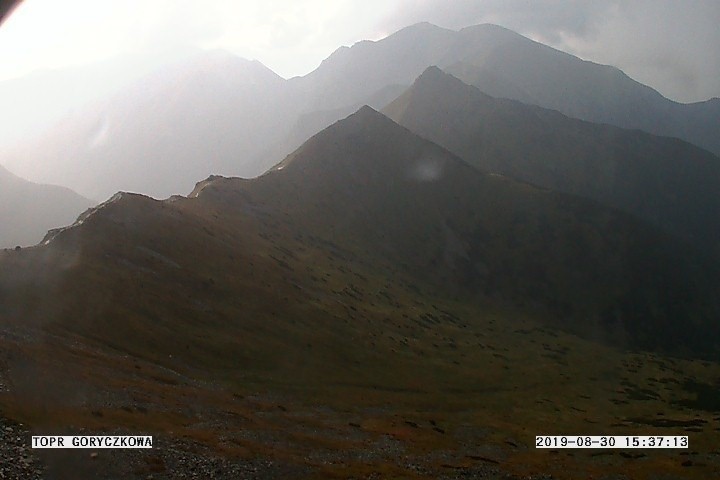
(668, 182)
(296, 273)
(29, 210)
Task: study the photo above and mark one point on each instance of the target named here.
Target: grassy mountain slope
(384, 196)
(371, 294)
(29, 210)
(665, 181)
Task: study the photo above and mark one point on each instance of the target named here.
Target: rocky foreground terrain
(180, 459)
(173, 459)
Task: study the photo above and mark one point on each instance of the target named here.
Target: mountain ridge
(308, 299)
(32, 209)
(665, 181)
(548, 77)
(240, 118)
(398, 173)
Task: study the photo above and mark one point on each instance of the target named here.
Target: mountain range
(372, 281)
(218, 114)
(415, 292)
(363, 192)
(505, 64)
(29, 210)
(667, 182)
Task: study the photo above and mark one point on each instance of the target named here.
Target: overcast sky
(673, 46)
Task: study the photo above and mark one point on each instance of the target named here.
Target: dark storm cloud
(670, 45)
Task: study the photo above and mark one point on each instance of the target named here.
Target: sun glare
(51, 34)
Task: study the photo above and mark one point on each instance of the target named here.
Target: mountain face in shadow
(29, 210)
(665, 181)
(369, 276)
(504, 64)
(363, 201)
(537, 74)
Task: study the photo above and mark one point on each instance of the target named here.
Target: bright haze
(63, 64)
(661, 43)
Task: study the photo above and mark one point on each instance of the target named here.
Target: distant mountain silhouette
(29, 210)
(505, 64)
(668, 182)
(161, 134)
(219, 114)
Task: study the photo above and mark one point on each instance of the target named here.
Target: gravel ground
(171, 459)
(176, 460)
(17, 459)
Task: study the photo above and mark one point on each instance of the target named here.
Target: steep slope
(670, 183)
(308, 124)
(395, 204)
(361, 297)
(385, 192)
(502, 63)
(352, 74)
(29, 210)
(205, 115)
(589, 91)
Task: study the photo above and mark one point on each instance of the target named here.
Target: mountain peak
(366, 144)
(366, 119)
(366, 111)
(423, 25)
(432, 74)
(422, 32)
(434, 77)
(431, 71)
(488, 27)
(431, 88)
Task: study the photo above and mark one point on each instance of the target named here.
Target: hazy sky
(672, 45)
